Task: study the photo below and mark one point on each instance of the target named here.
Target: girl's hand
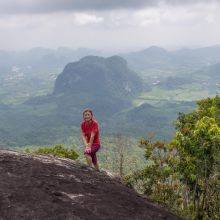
(88, 145)
(88, 148)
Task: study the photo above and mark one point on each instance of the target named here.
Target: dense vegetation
(183, 174)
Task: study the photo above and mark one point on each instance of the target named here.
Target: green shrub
(57, 150)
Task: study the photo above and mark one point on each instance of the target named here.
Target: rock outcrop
(47, 187)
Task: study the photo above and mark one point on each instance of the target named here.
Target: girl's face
(87, 116)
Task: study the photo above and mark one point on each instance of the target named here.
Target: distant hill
(39, 58)
(158, 58)
(152, 57)
(99, 76)
(200, 56)
(146, 118)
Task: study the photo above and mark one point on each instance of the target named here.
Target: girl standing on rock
(90, 136)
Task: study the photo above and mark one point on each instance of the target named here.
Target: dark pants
(92, 152)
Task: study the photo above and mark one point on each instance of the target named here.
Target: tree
(121, 146)
(184, 173)
(159, 179)
(197, 141)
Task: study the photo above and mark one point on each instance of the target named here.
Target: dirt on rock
(47, 187)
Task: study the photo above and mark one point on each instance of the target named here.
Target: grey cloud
(48, 6)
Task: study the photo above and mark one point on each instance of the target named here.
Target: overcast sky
(109, 24)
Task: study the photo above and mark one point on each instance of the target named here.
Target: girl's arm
(84, 139)
(91, 139)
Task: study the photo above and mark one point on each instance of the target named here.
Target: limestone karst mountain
(99, 77)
